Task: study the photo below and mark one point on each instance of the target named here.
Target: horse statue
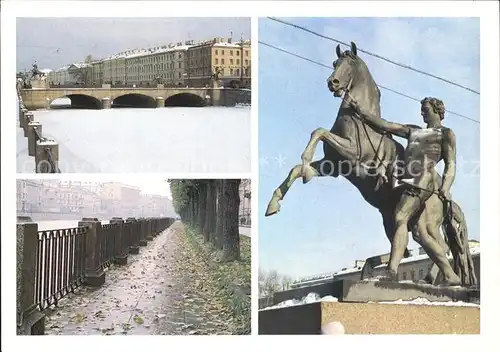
(36, 74)
(216, 74)
(366, 157)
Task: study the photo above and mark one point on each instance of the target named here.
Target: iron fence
(60, 264)
(108, 238)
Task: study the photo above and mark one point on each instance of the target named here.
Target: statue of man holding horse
(419, 179)
(360, 147)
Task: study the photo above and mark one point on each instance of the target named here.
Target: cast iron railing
(60, 264)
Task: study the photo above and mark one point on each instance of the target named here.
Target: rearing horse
(365, 157)
(351, 148)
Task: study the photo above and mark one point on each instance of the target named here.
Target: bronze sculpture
(360, 147)
(36, 73)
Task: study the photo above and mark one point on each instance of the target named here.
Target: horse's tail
(456, 236)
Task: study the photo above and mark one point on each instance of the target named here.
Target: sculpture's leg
(390, 228)
(405, 210)
(428, 236)
(319, 168)
(345, 147)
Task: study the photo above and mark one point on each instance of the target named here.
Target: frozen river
(180, 140)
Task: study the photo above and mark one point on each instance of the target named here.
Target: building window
(412, 274)
(222, 61)
(230, 61)
(222, 52)
(246, 62)
(231, 72)
(216, 61)
(246, 52)
(238, 53)
(237, 61)
(180, 64)
(421, 274)
(216, 52)
(237, 72)
(231, 52)
(404, 276)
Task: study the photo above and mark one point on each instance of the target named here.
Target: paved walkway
(148, 296)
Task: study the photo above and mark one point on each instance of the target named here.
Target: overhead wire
(373, 54)
(379, 85)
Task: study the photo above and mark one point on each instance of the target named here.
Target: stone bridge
(105, 98)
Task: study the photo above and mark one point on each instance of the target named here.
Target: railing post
(28, 117)
(134, 236)
(22, 117)
(94, 274)
(155, 227)
(142, 232)
(33, 128)
(121, 251)
(30, 321)
(42, 163)
(149, 229)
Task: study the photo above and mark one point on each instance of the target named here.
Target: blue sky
(314, 232)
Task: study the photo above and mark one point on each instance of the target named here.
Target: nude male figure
(426, 147)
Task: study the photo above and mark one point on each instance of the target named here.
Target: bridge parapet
(93, 97)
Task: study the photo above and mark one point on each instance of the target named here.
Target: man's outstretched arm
(378, 122)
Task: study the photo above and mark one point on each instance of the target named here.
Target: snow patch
(426, 302)
(311, 297)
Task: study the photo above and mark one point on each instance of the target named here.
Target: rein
(376, 150)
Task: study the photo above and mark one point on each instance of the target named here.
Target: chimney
(229, 40)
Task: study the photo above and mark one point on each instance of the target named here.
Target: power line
(379, 85)
(374, 55)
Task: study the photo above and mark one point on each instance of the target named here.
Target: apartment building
(176, 64)
(28, 196)
(245, 210)
(232, 60)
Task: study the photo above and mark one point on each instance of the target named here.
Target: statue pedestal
(380, 291)
(370, 318)
(39, 84)
(358, 311)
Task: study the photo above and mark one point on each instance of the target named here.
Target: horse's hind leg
(319, 168)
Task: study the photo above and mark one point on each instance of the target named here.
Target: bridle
(363, 123)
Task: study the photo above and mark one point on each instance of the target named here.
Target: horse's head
(343, 70)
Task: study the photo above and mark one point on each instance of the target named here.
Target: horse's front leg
(345, 147)
(319, 168)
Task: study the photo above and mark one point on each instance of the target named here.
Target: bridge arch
(77, 101)
(185, 99)
(133, 100)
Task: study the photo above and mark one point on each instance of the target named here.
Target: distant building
(176, 64)
(413, 268)
(232, 59)
(245, 211)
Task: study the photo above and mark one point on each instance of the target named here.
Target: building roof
(475, 250)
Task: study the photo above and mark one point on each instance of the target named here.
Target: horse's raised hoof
(273, 207)
(307, 173)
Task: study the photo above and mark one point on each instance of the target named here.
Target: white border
(488, 11)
